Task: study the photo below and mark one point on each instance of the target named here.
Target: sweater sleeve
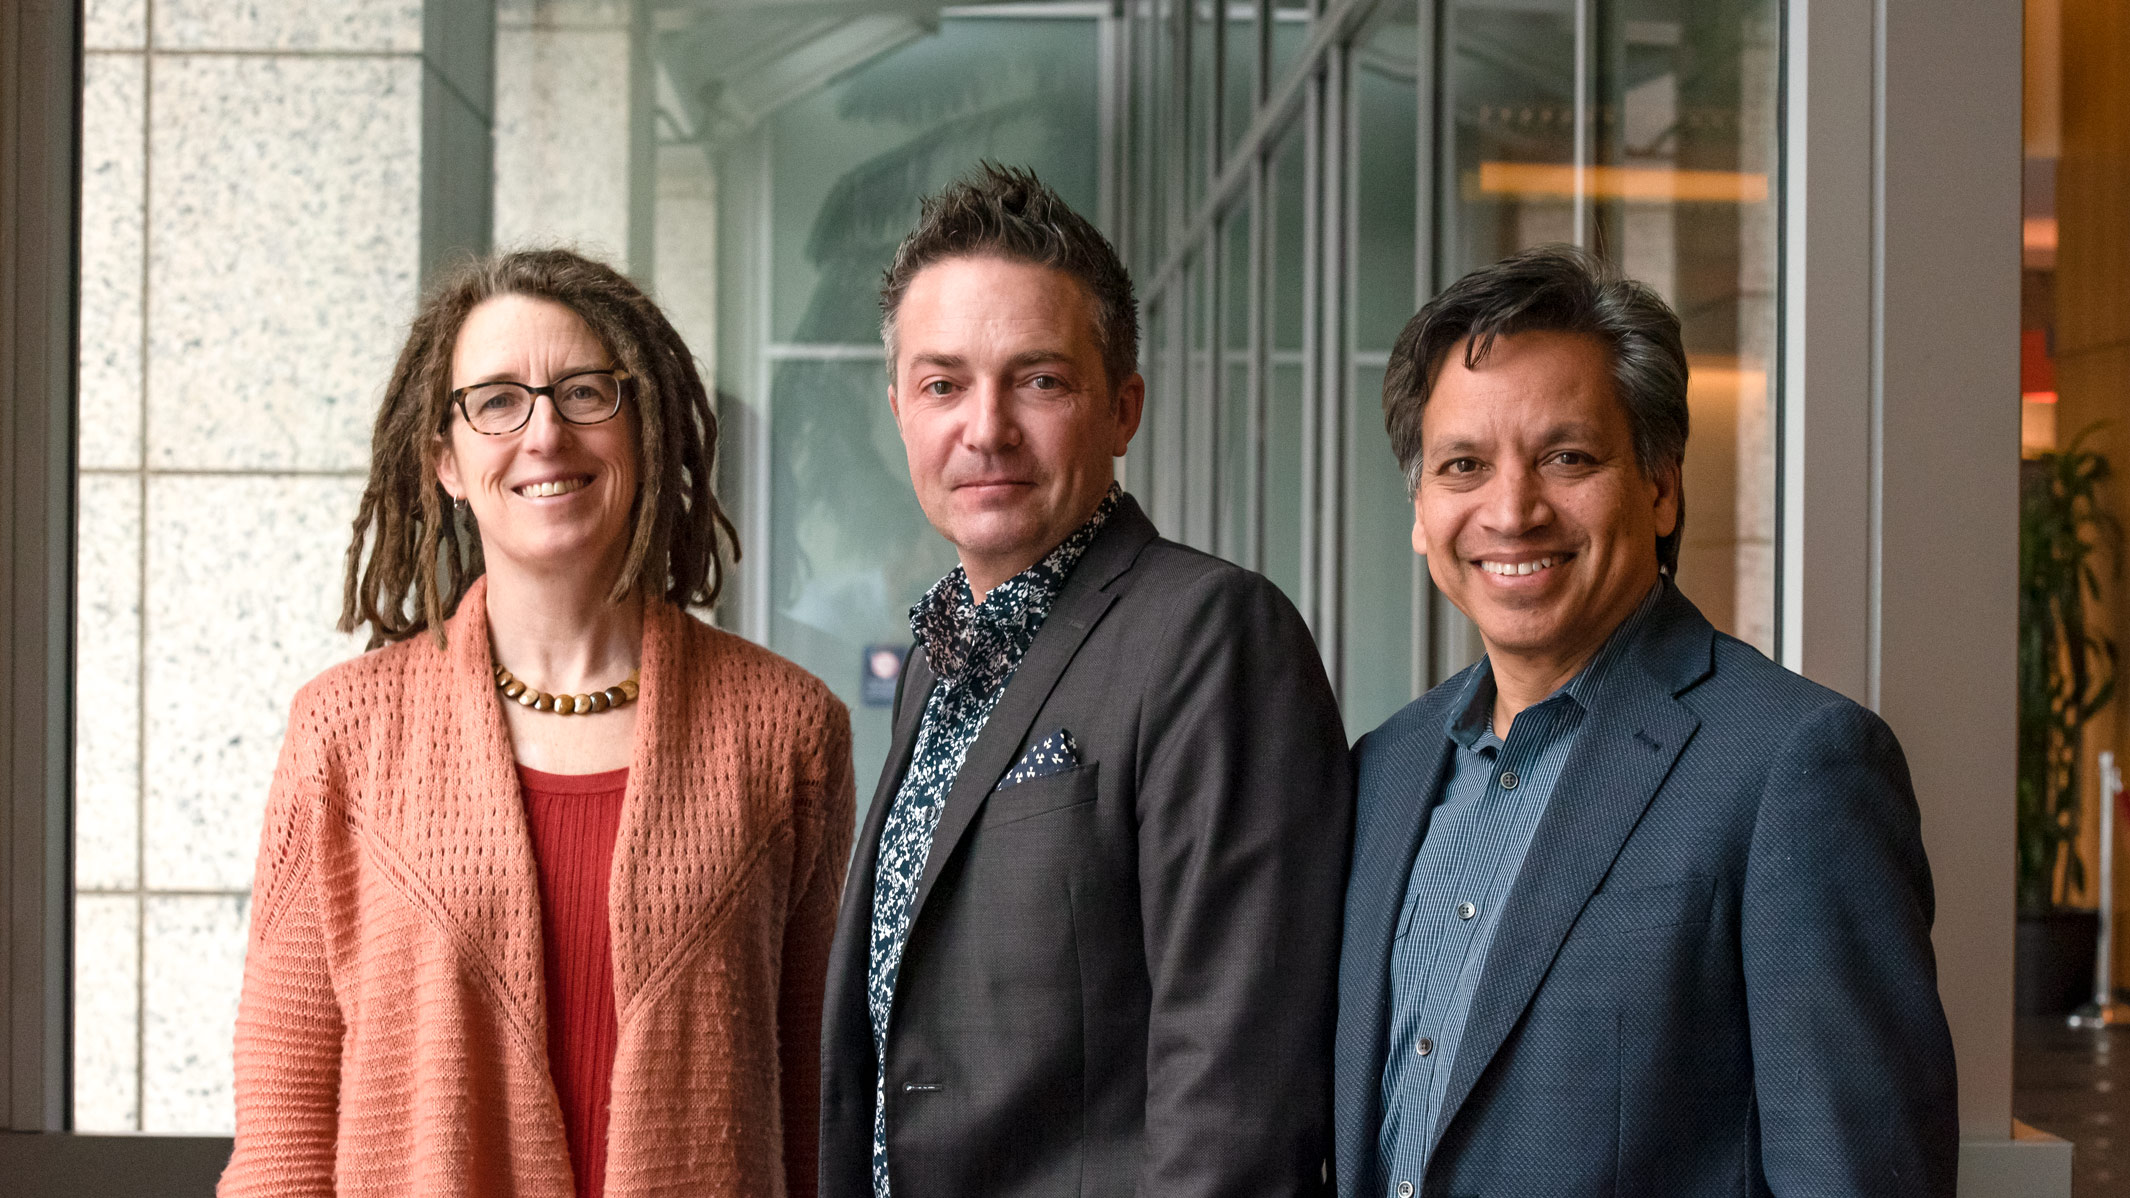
(288, 1018)
(823, 824)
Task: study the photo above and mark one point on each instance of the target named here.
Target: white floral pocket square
(1054, 754)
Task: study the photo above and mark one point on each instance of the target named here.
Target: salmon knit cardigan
(392, 1038)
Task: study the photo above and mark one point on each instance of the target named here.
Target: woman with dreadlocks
(548, 877)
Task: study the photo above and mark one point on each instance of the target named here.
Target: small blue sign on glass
(878, 675)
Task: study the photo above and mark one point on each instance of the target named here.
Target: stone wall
(262, 187)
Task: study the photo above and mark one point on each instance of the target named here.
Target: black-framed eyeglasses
(499, 409)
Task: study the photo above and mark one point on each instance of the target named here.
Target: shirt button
(1508, 779)
(1466, 910)
(1405, 1189)
(1424, 1047)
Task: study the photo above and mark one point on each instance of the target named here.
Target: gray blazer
(1120, 978)
(1714, 973)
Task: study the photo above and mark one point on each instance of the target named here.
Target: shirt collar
(981, 643)
(1472, 715)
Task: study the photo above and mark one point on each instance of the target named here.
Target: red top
(573, 819)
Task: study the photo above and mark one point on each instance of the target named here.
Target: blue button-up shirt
(1477, 836)
(974, 649)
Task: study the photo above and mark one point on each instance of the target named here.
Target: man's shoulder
(1429, 712)
(1745, 689)
(1177, 578)
(1172, 563)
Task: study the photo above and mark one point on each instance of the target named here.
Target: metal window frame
(1180, 474)
(40, 237)
(1335, 165)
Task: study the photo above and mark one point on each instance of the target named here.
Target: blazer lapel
(1632, 736)
(918, 680)
(857, 902)
(1396, 792)
(1078, 608)
(1074, 616)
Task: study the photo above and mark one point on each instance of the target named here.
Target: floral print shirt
(974, 649)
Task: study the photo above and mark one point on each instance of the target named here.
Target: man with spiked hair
(1090, 931)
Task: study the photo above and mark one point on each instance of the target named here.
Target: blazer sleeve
(823, 824)
(288, 1017)
(1852, 1059)
(1245, 825)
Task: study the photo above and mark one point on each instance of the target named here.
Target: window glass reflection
(1290, 31)
(1285, 433)
(1676, 125)
(1378, 590)
(840, 171)
(1239, 78)
(1237, 395)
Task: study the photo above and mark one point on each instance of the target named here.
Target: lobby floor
(2077, 1085)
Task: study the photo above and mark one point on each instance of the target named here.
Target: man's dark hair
(1551, 289)
(1006, 212)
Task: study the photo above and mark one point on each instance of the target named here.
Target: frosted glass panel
(830, 183)
(849, 549)
(850, 161)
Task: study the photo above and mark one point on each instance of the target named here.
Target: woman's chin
(562, 554)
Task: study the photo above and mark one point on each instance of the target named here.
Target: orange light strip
(1547, 180)
(2038, 396)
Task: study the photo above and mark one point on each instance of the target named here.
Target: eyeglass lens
(506, 407)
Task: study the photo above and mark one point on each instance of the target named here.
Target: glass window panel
(1379, 588)
(1379, 592)
(1201, 430)
(1239, 88)
(849, 548)
(1167, 404)
(1284, 505)
(1512, 99)
(1204, 103)
(1290, 32)
(1157, 90)
(1144, 460)
(1679, 193)
(1236, 398)
(851, 160)
(840, 172)
(1387, 115)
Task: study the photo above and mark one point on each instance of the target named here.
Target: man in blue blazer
(1633, 910)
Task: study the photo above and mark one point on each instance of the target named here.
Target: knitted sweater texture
(392, 1034)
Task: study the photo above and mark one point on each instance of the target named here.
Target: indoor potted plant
(2067, 675)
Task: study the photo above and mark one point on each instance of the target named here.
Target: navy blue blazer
(1713, 974)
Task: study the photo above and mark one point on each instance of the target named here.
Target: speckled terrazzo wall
(262, 185)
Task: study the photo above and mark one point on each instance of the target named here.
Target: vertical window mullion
(1427, 96)
(1259, 364)
(1337, 221)
(1312, 287)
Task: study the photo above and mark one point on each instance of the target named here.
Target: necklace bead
(515, 690)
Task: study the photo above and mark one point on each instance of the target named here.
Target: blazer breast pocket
(1073, 787)
(1612, 912)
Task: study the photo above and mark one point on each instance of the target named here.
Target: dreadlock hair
(1006, 212)
(412, 556)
